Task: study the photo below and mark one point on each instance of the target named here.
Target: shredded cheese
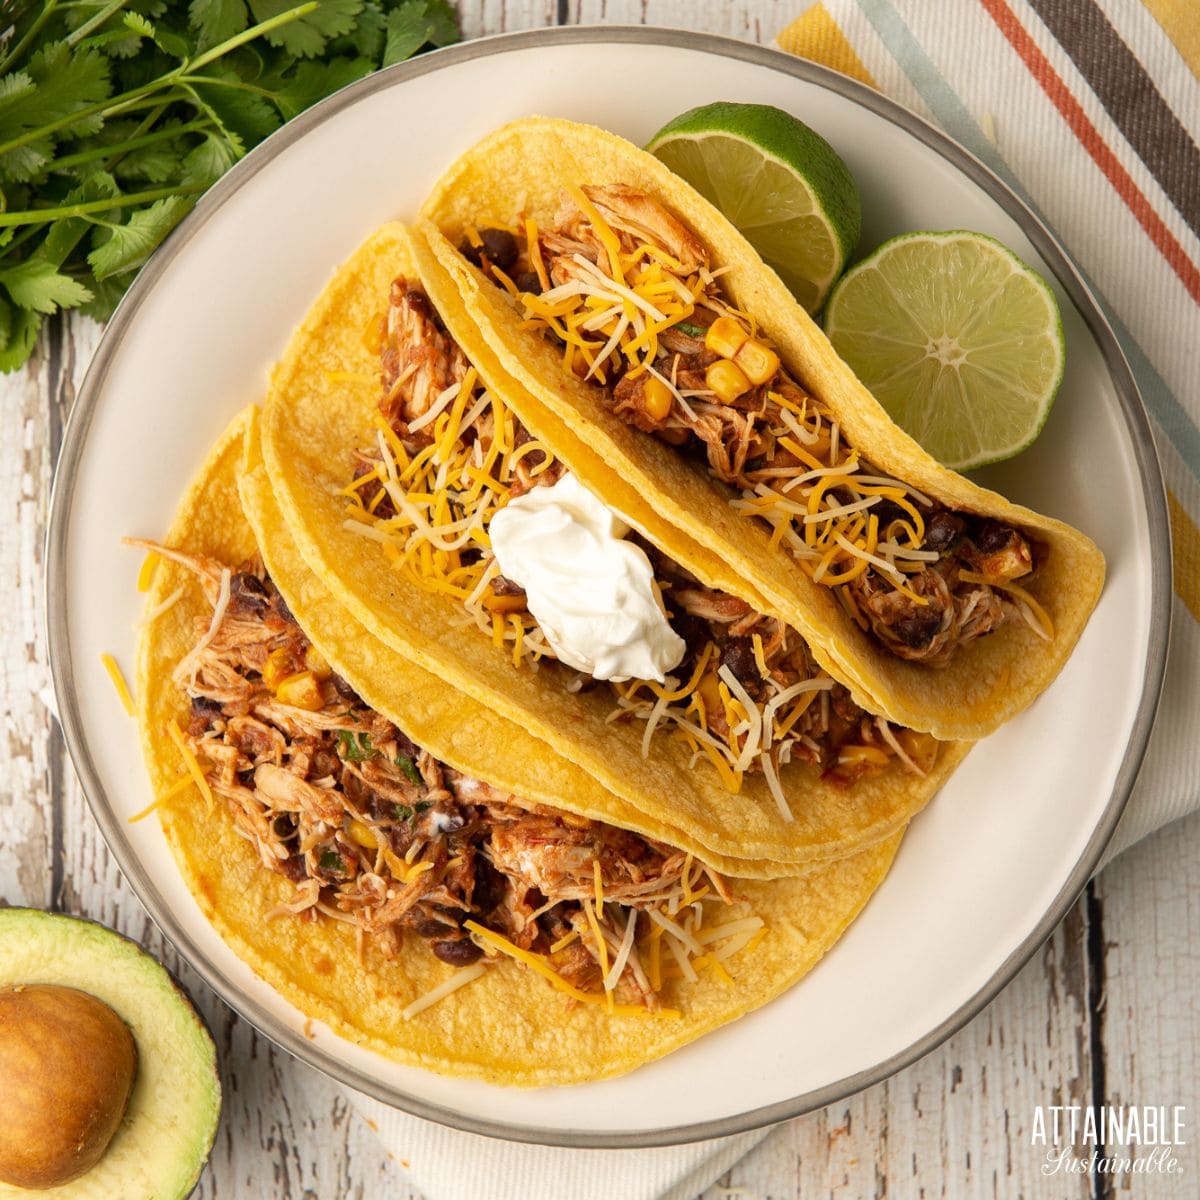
(118, 682)
(1044, 627)
(458, 980)
(193, 764)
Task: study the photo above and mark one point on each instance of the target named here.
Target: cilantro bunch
(115, 115)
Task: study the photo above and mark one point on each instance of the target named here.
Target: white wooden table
(1106, 1012)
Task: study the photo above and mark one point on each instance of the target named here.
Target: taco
(628, 306)
(435, 918)
(390, 488)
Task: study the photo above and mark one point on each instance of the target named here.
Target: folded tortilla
(320, 407)
(493, 1028)
(523, 169)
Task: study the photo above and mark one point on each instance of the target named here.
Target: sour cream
(590, 590)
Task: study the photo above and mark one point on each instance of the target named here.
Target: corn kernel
(727, 379)
(759, 362)
(278, 667)
(300, 691)
(315, 661)
(363, 835)
(725, 337)
(656, 399)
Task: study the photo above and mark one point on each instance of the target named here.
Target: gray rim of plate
(75, 440)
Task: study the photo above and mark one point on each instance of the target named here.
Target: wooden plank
(957, 1123)
(26, 794)
(1150, 1008)
(478, 18)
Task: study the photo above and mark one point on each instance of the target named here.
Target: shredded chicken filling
(629, 293)
(374, 831)
(747, 696)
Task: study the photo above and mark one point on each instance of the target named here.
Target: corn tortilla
(523, 167)
(496, 1027)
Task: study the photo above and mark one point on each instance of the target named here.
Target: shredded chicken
(375, 830)
(419, 360)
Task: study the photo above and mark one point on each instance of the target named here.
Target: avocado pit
(68, 1063)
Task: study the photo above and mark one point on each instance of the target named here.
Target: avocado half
(168, 1129)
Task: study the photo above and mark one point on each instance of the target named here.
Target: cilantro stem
(107, 11)
(41, 216)
(248, 35)
(15, 53)
(113, 149)
(236, 84)
(107, 107)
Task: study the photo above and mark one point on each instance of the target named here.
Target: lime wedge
(957, 338)
(779, 182)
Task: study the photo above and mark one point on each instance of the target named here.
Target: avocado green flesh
(163, 1143)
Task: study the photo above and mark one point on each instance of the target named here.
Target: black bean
(434, 927)
(460, 953)
(489, 886)
(917, 631)
(208, 710)
(247, 591)
(990, 536)
(942, 530)
(738, 655)
(527, 281)
(500, 246)
(887, 511)
(695, 631)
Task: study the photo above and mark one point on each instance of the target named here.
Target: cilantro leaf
(409, 767)
(65, 81)
(129, 245)
(402, 812)
(418, 23)
(107, 293)
(156, 163)
(217, 21)
(22, 337)
(208, 161)
(244, 111)
(355, 747)
(366, 38)
(332, 861)
(307, 36)
(313, 81)
(40, 286)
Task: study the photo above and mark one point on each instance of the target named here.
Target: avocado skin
(164, 1140)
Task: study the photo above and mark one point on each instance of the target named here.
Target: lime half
(957, 338)
(779, 182)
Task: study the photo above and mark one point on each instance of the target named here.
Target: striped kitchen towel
(1090, 110)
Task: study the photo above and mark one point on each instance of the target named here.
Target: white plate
(985, 872)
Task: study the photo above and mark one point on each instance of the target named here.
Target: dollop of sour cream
(590, 590)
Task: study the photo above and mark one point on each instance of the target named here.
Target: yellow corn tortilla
(314, 417)
(495, 1027)
(523, 167)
